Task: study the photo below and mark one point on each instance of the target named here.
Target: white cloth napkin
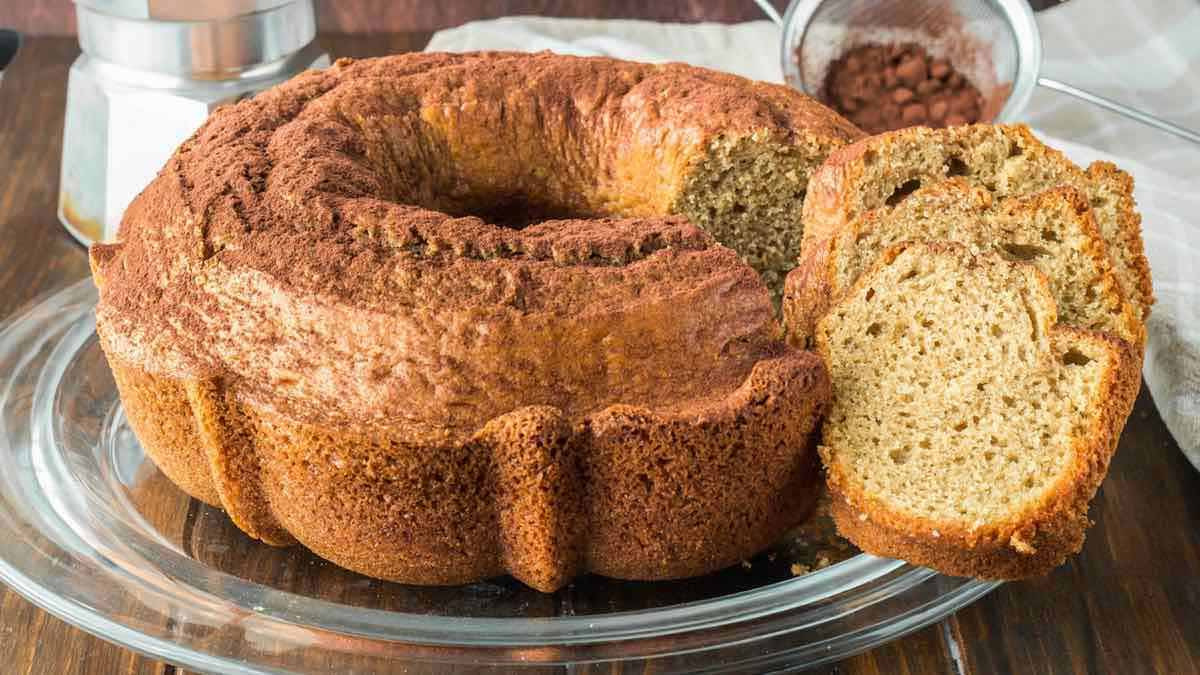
(1146, 56)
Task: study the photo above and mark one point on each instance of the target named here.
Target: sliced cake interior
(968, 430)
(879, 173)
(1053, 230)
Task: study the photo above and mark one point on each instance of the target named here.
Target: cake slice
(968, 430)
(879, 173)
(1054, 230)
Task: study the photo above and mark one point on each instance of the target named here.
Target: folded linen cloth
(1165, 168)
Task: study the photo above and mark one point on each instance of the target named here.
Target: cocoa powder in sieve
(882, 87)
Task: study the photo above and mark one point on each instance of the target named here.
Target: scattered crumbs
(862, 517)
(771, 557)
(798, 569)
(823, 561)
(746, 564)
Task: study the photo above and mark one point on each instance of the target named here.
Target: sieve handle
(1121, 109)
(770, 11)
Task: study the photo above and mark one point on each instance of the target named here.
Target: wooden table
(1130, 603)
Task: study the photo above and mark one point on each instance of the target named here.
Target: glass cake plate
(92, 532)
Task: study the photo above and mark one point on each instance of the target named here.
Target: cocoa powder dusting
(884, 87)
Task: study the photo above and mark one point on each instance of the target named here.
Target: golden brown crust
(1129, 244)
(808, 292)
(160, 413)
(627, 492)
(1028, 543)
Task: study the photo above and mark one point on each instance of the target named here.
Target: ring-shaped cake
(440, 317)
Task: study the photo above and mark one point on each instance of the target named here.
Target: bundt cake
(440, 317)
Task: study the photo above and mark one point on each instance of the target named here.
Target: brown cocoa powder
(881, 87)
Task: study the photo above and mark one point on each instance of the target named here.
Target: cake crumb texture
(969, 428)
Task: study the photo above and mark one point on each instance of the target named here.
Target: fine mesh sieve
(995, 43)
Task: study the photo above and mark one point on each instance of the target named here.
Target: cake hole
(1050, 235)
(875, 329)
(1023, 251)
(1015, 150)
(924, 444)
(1074, 357)
(955, 166)
(989, 455)
(1009, 401)
(909, 275)
(961, 426)
(515, 211)
(996, 331)
(900, 455)
(870, 294)
(906, 188)
(870, 157)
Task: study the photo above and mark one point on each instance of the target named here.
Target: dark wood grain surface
(1129, 604)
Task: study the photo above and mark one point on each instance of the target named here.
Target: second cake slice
(1053, 230)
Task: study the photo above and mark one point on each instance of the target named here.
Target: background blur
(57, 17)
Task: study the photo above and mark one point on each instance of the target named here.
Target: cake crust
(627, 492)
